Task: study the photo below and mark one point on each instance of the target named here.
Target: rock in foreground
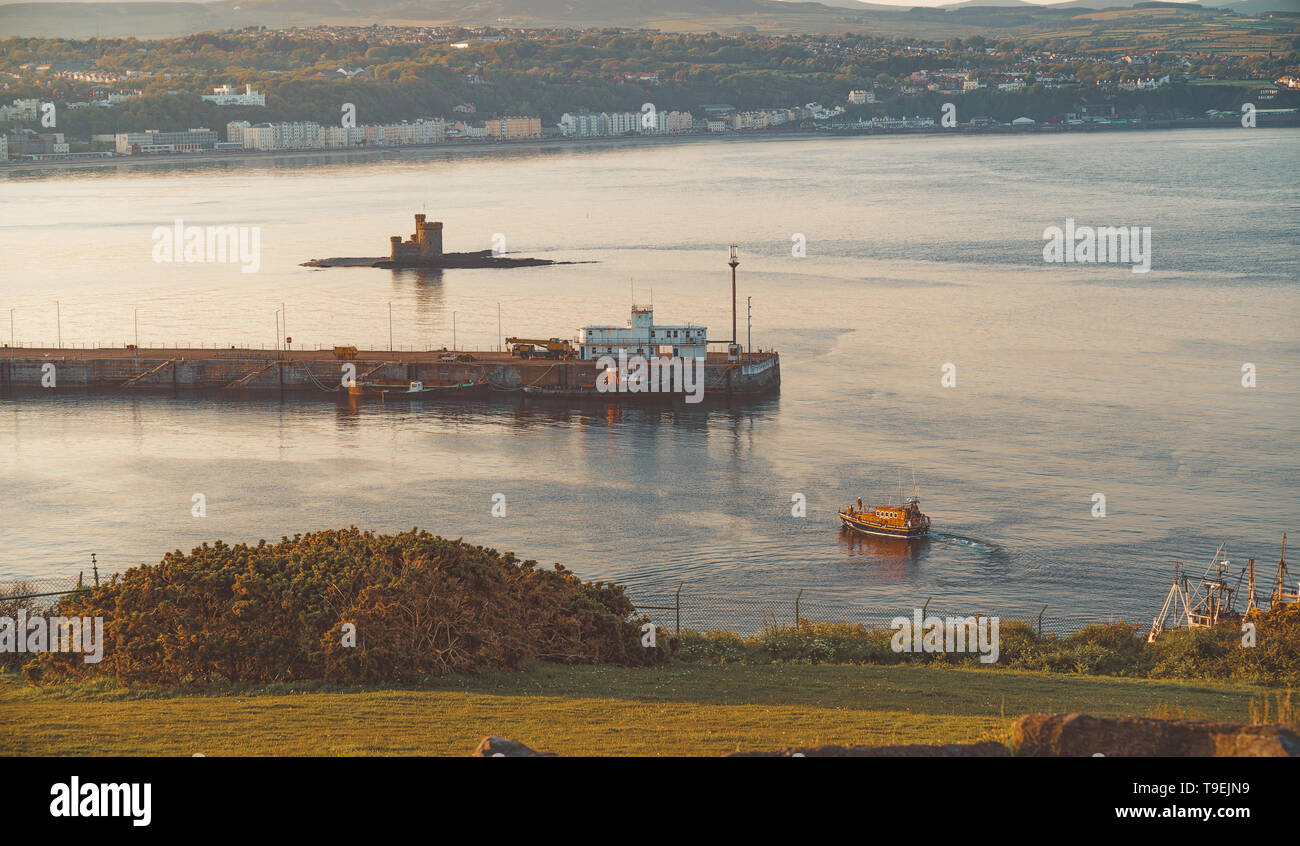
(987, 749)
(499, 747)
(1081, 735)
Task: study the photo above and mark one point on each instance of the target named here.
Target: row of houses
(309, 135)
(585, 124)
(28, 110)
(717, 118)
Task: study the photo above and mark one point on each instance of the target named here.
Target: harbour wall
(319, 372)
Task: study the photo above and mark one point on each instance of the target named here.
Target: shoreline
(569, 144)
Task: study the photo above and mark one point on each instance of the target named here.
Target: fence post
(677, 629)
(796, 607)
(1040, 621)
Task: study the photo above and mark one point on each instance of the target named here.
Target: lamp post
(733, 260)
(749, 325)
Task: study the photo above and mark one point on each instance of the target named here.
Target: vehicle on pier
(547, 348)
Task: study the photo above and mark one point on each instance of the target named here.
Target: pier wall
(318, 372)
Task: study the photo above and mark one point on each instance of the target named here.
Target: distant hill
(998, 18)
(966, 4)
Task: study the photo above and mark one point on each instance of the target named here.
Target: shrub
(422, 606)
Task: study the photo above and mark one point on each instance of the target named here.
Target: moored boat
(396, 390)
(905, 521)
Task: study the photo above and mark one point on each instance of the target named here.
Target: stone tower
(425, 243)
(428, 234)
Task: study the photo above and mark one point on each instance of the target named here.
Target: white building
(21, 110)
(299, 135)
(337, 137)
(621, 123)
(862, 96)
(227, 96)
(235, 131)
(165, 141)
(643, 337)
(398, 134)
(581, 125)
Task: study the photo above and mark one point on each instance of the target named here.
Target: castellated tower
(425, 243)
(429, 236)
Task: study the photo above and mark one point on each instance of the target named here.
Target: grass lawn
(677, 710)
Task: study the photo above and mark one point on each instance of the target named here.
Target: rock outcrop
(987, 749)
(1044, 736)
(499, 747)
(1081, 735)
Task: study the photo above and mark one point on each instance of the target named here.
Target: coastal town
(464, 91)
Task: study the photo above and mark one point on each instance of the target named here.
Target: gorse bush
(422, 606)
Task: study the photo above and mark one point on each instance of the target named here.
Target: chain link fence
(684, 609)
(38, 592)
(680, 609)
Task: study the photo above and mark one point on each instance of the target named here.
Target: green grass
(677, 710)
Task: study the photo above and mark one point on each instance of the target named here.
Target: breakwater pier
(24, 370)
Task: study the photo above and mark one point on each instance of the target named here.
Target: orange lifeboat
(904, 521)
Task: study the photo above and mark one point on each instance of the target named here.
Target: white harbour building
(643, 337)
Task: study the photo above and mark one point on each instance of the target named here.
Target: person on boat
(859, 503)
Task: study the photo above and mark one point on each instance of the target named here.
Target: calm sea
(1071, 380)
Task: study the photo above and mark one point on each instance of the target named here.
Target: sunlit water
(1071, 380)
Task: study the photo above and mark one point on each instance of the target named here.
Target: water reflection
(894, 554)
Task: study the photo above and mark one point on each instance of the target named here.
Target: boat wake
(990, 549)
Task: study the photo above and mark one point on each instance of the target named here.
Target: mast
(1251, 605)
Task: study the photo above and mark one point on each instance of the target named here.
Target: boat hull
(394, 391)
(867, 528)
